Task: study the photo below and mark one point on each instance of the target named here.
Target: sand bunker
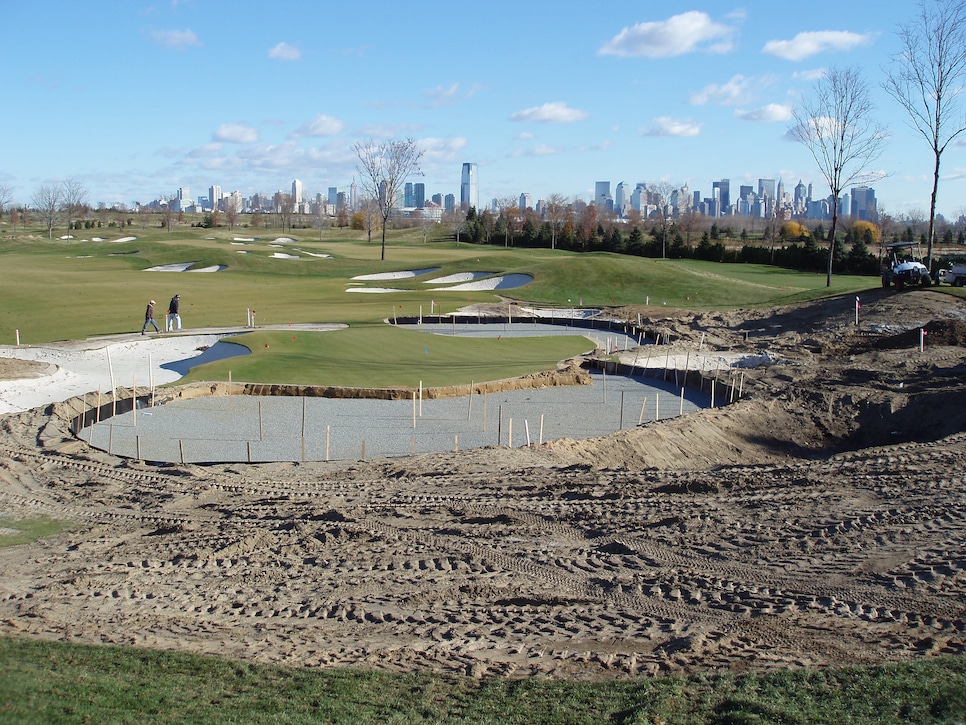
(405, 274)
(283, 255)
(186, 267)
(458, 277)
(508, 281)
(375, 290)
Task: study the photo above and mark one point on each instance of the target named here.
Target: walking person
(173, 314)
(149, 318)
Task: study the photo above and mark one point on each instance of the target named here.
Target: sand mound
(818, 521)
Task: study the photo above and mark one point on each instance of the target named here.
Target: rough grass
(53, 682)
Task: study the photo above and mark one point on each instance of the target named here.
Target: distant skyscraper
(863, 204)
(214, 197)
(602, 197)
(296, 192)
(409, 198)
(723, 196)
(622, 197)
(766, 187)
(526, 201)
(419, 195)
(469, 188)
(333, 195)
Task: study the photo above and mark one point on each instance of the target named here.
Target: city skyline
(180, 93)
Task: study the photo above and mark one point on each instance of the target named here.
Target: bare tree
(662, 195)
(74, 200)
(556, 214)
(370, 215)
(384, 168)
(836, 125)
(233, 206)
(168, 213)
(6, 194)
(284, 209)
(46, 200)
(508, 206)
(926, 79)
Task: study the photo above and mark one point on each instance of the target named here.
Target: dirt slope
(820, 520)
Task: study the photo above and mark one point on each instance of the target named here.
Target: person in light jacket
(173, 315)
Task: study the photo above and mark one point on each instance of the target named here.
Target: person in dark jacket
(149, 318)
(174, 316)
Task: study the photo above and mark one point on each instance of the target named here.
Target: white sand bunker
(284, 240)
(397, 275)
(124, 239)
(314, 254)
(243, 239)
(374, 290)
(282, 255)
(186, 267)
(458, 277)
(507, 281)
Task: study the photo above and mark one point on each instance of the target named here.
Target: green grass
(386, 356)
(23, 531)
(53, 682)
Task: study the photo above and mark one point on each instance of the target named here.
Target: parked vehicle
(903, 266)
(955, 275)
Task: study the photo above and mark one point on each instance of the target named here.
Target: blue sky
(135, 99)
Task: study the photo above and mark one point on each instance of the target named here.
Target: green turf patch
(387, 356)
(23, 531)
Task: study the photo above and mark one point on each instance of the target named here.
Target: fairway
(77, 288)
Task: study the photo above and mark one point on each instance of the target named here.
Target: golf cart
(903, 266)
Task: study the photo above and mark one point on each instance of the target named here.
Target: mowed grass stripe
(386, 356)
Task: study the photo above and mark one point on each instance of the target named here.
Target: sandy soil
(820, 520)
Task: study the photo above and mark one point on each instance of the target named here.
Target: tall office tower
(798, 204)
(863, 204)
(622, 198)
(602, 197)
(780, 194)
(333, 195)
(470, 188)
(449, 203)
(766, 187)
(696, 200)
(408, 196)
(353, 196)
(419, 195)
(844, 206)
(214, 197)
(296, 192)
(723, 196)
(526, 201)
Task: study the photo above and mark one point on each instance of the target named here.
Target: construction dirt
(819, 520)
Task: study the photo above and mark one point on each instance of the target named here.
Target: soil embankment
(819, 520)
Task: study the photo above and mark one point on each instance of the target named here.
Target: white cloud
(177, 39)
(442, 150)
(677, 35)
(667, 126)
(732, 93)
(808, 44)
(770, 112)
(550, 113)
(235, 133)
(321, 125)
(284, 51)
(808, 75)
(443, 95)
